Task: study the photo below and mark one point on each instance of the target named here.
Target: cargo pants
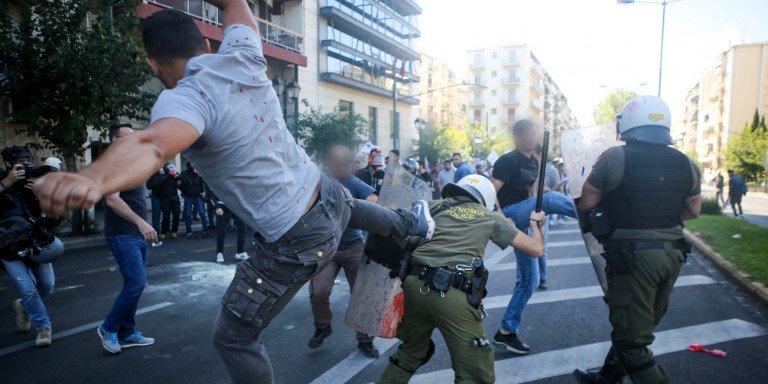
(637, 301)
(458, 322)
(265, 283)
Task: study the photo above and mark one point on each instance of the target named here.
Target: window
(372, 124)
(510, 114)
(495, 55)
(392, 123)
(478, 80)
(477, 114)
(493, 111)
(493, 73)
(478, 97)
(512, 94)
(345, 107)
(493, 92)
(512, 56)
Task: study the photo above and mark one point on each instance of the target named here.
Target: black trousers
(171, 211)
(221, 231)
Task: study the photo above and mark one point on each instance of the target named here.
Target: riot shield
(376, 305)
(581, 149)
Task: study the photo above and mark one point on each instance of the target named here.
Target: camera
(33, 172)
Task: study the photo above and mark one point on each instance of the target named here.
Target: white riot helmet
(645, 118)
(476, 187)
(53, 162)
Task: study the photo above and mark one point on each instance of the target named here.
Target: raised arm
(235, 12)
(125, 165)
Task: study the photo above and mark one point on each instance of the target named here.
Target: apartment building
(509, 84)
(722, 102)
(362, 57)
(443, 94)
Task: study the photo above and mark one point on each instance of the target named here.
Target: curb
(726, 266)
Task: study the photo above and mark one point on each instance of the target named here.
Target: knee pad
(430, 352)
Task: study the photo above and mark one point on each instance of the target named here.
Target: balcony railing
(510, 81)
(510, 62)
(510, 100)
(271, 33)
(476, 65)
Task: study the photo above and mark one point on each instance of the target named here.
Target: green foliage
(64, 77)
(745, 151)
(427, 148)
(471, 140)
(710, 206)
(450, 139)
(318, 130)
(605, 112)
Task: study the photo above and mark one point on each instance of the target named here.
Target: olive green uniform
(638, 300)
(462, 234)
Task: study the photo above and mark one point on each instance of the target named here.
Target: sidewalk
(755, 205)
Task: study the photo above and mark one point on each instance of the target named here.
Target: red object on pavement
(700, 348)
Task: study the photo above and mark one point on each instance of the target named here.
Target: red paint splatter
(392, 315)
(202, 93)
(270, 137)
(241, 90)
(261, 118)
(246, 38)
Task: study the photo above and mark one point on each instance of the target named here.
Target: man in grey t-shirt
(221, 111)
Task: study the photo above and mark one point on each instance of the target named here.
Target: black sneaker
(368, 349)
(543, 285)
(189, 235)
(592, 377)
(510, 343)
(426, 224)
(320, 335)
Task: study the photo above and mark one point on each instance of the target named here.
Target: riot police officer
(645, 189)
(444, 282)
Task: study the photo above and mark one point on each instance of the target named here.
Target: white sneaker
(219, 258)
(242, 256)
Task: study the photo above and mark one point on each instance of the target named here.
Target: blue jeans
(542, 261)
(33, 284)
(156, 213)
(197, 202)
(130, 253)
(528, 269)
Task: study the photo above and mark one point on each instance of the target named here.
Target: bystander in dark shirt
(115, 225)
(518, 174)
(359, 190)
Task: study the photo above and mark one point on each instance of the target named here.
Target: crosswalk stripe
(557, 244)
(564, 231)
(550, 263)
(564, 361)
(72, 331)
(582, 292)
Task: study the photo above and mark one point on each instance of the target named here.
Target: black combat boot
(592, 377)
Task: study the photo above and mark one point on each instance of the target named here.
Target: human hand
(59, 192)
(16, 174)
(538, 217)
(147, 231)
(219, 212)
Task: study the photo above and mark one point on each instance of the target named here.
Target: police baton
(542, 171)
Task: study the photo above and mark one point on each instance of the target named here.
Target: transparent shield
(581, 149)
(376, 304)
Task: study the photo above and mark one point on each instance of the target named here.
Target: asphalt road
(566, 326)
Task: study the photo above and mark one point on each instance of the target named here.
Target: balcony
(510, 100)
(510, 81)
(271, 33)
(536, 86)
(476, 102)
(537, 104)
(476, 65)
(345, 22)
(510, 62)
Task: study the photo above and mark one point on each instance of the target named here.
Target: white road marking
(564, 361)
(557, 244)
(563, 231)
(72, 331)
(582, 292)
(550, 263)
(68, 288)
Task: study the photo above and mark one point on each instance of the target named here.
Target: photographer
(26, 246)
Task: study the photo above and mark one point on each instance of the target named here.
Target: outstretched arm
(235, 12)
(127, 164)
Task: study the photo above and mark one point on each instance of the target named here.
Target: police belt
(650, 245)
(442, 278)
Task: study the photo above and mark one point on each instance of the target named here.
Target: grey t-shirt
(445, 177)
(245, 152)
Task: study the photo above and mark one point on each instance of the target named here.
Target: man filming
(26, 246)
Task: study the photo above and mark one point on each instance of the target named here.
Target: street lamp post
(663, 4)
(286, 93)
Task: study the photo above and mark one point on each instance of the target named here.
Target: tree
(70, 65)
(318, 130)
(745, 151)
(755, 121)
(427, 148)
(450, 139)
(605, 112)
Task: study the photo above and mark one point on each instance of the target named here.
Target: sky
(591, 46)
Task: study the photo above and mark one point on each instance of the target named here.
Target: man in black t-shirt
(127, 233)
(513, 176)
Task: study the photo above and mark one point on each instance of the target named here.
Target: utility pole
(395, 128)
(661, 53)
